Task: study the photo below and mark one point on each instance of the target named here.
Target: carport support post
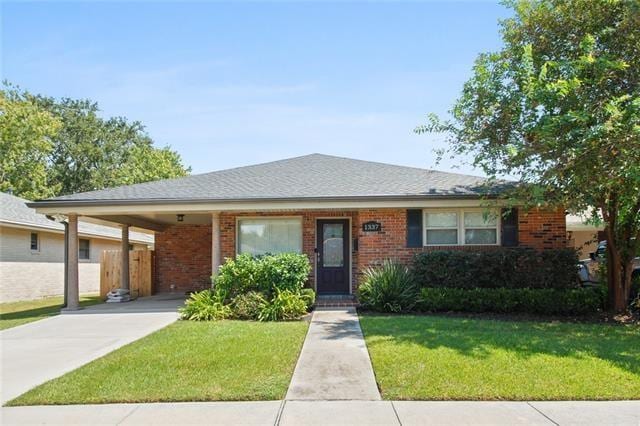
(216, 256)
(73, 288)
(124, 268)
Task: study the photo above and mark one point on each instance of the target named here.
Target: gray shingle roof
(13, 210)
(314, 176)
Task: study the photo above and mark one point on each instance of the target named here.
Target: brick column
(216, 256)
(124, 267)
(73, 288)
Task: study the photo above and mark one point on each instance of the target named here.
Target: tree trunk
(619, 272)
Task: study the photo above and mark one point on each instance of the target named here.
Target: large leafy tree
(94, 153)
(83, 151)
(26, 132)
(559, 106)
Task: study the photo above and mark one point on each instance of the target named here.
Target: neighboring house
(582, 236)
(32, 252)
(344, 214)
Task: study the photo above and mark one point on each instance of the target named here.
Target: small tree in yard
(559, 106)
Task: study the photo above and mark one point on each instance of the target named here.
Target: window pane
(332, 245)
(261, 236)
(442, 237)
(83, 249)
(442, 220)
(34, 241)
(480, 236)
(476, 219)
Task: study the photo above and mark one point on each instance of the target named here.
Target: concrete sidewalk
(334, 362)
(620, 413)
(39, 351)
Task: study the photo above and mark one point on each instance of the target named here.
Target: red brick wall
(183, 252)
(183, 258)
(309, 217)
(542, 229)
(391, 241)
(536, 229)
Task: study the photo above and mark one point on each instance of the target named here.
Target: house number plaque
(371, 226)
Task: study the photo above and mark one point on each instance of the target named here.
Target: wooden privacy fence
(141, 267)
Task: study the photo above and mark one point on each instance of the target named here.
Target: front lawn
(17, 313)
(453, 358)
(186, 361)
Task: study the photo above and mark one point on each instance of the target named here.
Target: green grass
(17, 313)
(452, 358)
(186, 361)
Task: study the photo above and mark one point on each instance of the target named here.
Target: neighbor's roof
(14, 211)
(315, 176)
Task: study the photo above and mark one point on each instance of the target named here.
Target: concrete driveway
(36, 352)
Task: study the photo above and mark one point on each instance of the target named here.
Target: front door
(332, 242)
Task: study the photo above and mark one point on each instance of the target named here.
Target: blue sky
(230, 84)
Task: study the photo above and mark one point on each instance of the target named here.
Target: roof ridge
(187, 177)
(397, 165)
(315, 174)
(282, 160)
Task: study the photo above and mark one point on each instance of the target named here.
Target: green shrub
(237, 276)
(247, 306)
(309, 297)
(499, 268)
(285, 305)
(205, 305)
(267, 288)
(389, 288)
(578, 301)
(285, 271)
(264, 274)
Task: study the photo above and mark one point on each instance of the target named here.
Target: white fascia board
(256, 206)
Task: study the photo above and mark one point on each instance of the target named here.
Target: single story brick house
(345, 214)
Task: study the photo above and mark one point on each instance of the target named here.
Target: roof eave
(97, 235)
(148, 202)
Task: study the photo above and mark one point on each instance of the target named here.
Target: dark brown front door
(332, 239)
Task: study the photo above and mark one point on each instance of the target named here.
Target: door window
(332, 245)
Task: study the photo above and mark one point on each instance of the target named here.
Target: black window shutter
(414, 228)
(509, 230)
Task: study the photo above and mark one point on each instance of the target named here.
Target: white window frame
(241, 218)
(426, 228)
(460, 226)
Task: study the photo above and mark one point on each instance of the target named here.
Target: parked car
(588, 269)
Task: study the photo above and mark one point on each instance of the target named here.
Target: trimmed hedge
(547, 301)
(501, 268)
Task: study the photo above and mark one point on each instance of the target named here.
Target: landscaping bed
(433, 357)
(186, 361)
(504, 281)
